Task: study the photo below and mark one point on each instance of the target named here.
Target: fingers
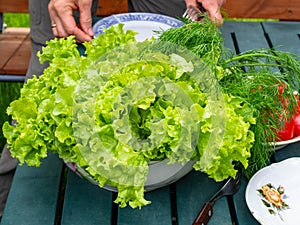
(213, 9)
(61, 14)
(57, 27)
(86, 16)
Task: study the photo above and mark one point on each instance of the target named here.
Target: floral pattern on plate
(273, 198)
(285, 176)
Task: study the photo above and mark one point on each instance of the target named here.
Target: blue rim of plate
(109, 21)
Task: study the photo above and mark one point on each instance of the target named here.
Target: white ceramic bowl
(160, 174)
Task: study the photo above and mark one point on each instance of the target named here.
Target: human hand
(63, 22)
(213, 8)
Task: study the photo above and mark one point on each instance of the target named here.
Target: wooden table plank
(291, 150)
(85, 202)
(284, 36)
(245, 35)
(15, 51)
(274, 9)
(192, 192)
(33, 196)
(244, 215)
(21, 6)
(18, 63)
(8, 46)
(227, 34)
(158, 211)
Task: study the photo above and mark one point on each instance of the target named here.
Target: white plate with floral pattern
(272, 194)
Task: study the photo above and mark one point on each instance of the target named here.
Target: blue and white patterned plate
(144, 23)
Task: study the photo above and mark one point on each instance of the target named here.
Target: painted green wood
(291, 150)
(249, 35)
(158, 212)
(227, 33)
(284, 36)
(192, 193)
(243, 213)
(33, 196)
(85, 203)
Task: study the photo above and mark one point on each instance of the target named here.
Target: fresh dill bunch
(202, 38)
(258, 75)
(265, 80)
(255, 76)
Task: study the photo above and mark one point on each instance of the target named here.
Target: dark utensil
(231, 186)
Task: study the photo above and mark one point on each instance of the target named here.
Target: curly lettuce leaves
(124, 104)
(236, 140)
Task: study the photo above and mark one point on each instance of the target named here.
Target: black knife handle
(204, 215)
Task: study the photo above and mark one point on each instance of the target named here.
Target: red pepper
(281, 88)
(298, 106)
(297, 125)
(287, 132)
(284, 101)
(297, 118)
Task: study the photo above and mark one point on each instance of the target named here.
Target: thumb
(218, 18)
(85, 16)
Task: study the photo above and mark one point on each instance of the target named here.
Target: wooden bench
(271, 9)
(15, 46)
